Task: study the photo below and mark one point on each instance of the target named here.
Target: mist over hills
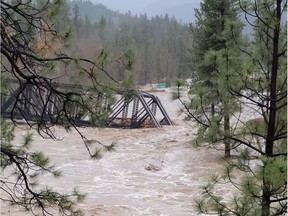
(92, 10)
(182, 10)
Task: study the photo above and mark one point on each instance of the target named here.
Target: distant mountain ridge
(182, 9)
(92, 10)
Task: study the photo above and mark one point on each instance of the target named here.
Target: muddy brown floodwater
(152, 172)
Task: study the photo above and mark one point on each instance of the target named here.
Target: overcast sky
(125, 5)
(181, 9)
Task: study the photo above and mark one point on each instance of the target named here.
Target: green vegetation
(35, 39)
(216, 35)
(159, 44)
(238, 97)
(237, 94)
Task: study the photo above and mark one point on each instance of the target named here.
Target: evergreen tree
(215, 58)
(77, 21)
(267, 90)
(119, 32)
(260, 126)
(32, 54)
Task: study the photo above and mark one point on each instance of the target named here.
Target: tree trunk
(265, 203)
(272, 111)
(212, 109)
(227, 131)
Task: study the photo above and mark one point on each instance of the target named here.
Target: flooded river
(152, 172)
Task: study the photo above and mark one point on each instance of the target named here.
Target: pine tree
(260, 126)
(268, 90)
(215, 58)
(26, 166)
(77, 20)
(32, 54)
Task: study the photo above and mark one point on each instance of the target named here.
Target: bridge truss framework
(134, 109)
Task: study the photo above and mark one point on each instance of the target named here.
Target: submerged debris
(153, 168)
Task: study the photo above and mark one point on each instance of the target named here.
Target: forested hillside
(159, 46)
(62, 64)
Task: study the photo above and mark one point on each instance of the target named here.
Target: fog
(182, 10)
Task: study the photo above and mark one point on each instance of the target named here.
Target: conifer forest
(111, 113)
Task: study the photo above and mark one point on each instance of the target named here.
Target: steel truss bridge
(31, 103)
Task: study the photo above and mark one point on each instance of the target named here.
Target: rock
(152, 167)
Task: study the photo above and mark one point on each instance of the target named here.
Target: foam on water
(119, 184)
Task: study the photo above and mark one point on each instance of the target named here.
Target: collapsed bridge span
(136, 109)
(29, 103)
